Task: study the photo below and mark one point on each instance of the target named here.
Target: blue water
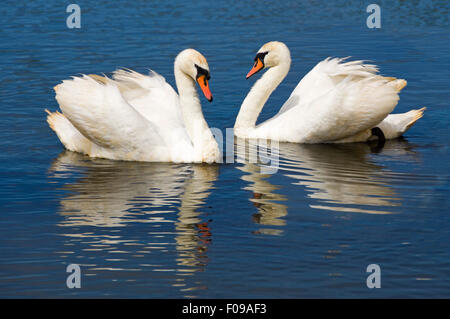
(147, 230)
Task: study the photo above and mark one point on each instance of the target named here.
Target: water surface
(156, 230)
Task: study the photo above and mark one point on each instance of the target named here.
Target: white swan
(336, 101)
(137, 117)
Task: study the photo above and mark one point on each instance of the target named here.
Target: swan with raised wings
(138, 117)
(336, 101)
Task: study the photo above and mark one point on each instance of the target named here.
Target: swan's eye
(201, 71)
(260, 56)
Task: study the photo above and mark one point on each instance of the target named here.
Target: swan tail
(416, 115)
(69, 136)
(395, 125)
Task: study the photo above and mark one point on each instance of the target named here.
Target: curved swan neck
(259, 94)
(194, 120)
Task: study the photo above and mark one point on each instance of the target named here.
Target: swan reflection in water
(163, 201)
(112, 194)
(335, 177)
(269, 203)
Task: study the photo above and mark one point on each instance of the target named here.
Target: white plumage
(336, 101)
(135, 116)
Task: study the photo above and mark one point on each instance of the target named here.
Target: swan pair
(141, 118)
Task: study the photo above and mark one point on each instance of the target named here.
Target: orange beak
(203, 83)
(256, 68)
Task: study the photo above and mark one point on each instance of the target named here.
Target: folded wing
(335, 100)
(101, 114)
(154, 99)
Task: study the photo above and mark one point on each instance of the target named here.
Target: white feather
(337, 101)
(133, 116)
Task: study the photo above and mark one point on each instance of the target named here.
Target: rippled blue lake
(150, 230)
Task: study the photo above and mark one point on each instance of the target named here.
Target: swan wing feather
(324, 77)
(157, 101)
(351, 106)
(99, 112)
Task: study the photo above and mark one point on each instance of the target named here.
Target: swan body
(137, 117)
(336, 102)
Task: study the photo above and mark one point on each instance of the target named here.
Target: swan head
(270, 55)
(193, 64)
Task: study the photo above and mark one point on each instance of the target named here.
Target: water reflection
(269, 203)
(341, 177)
(107, 195)
(149, 221)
